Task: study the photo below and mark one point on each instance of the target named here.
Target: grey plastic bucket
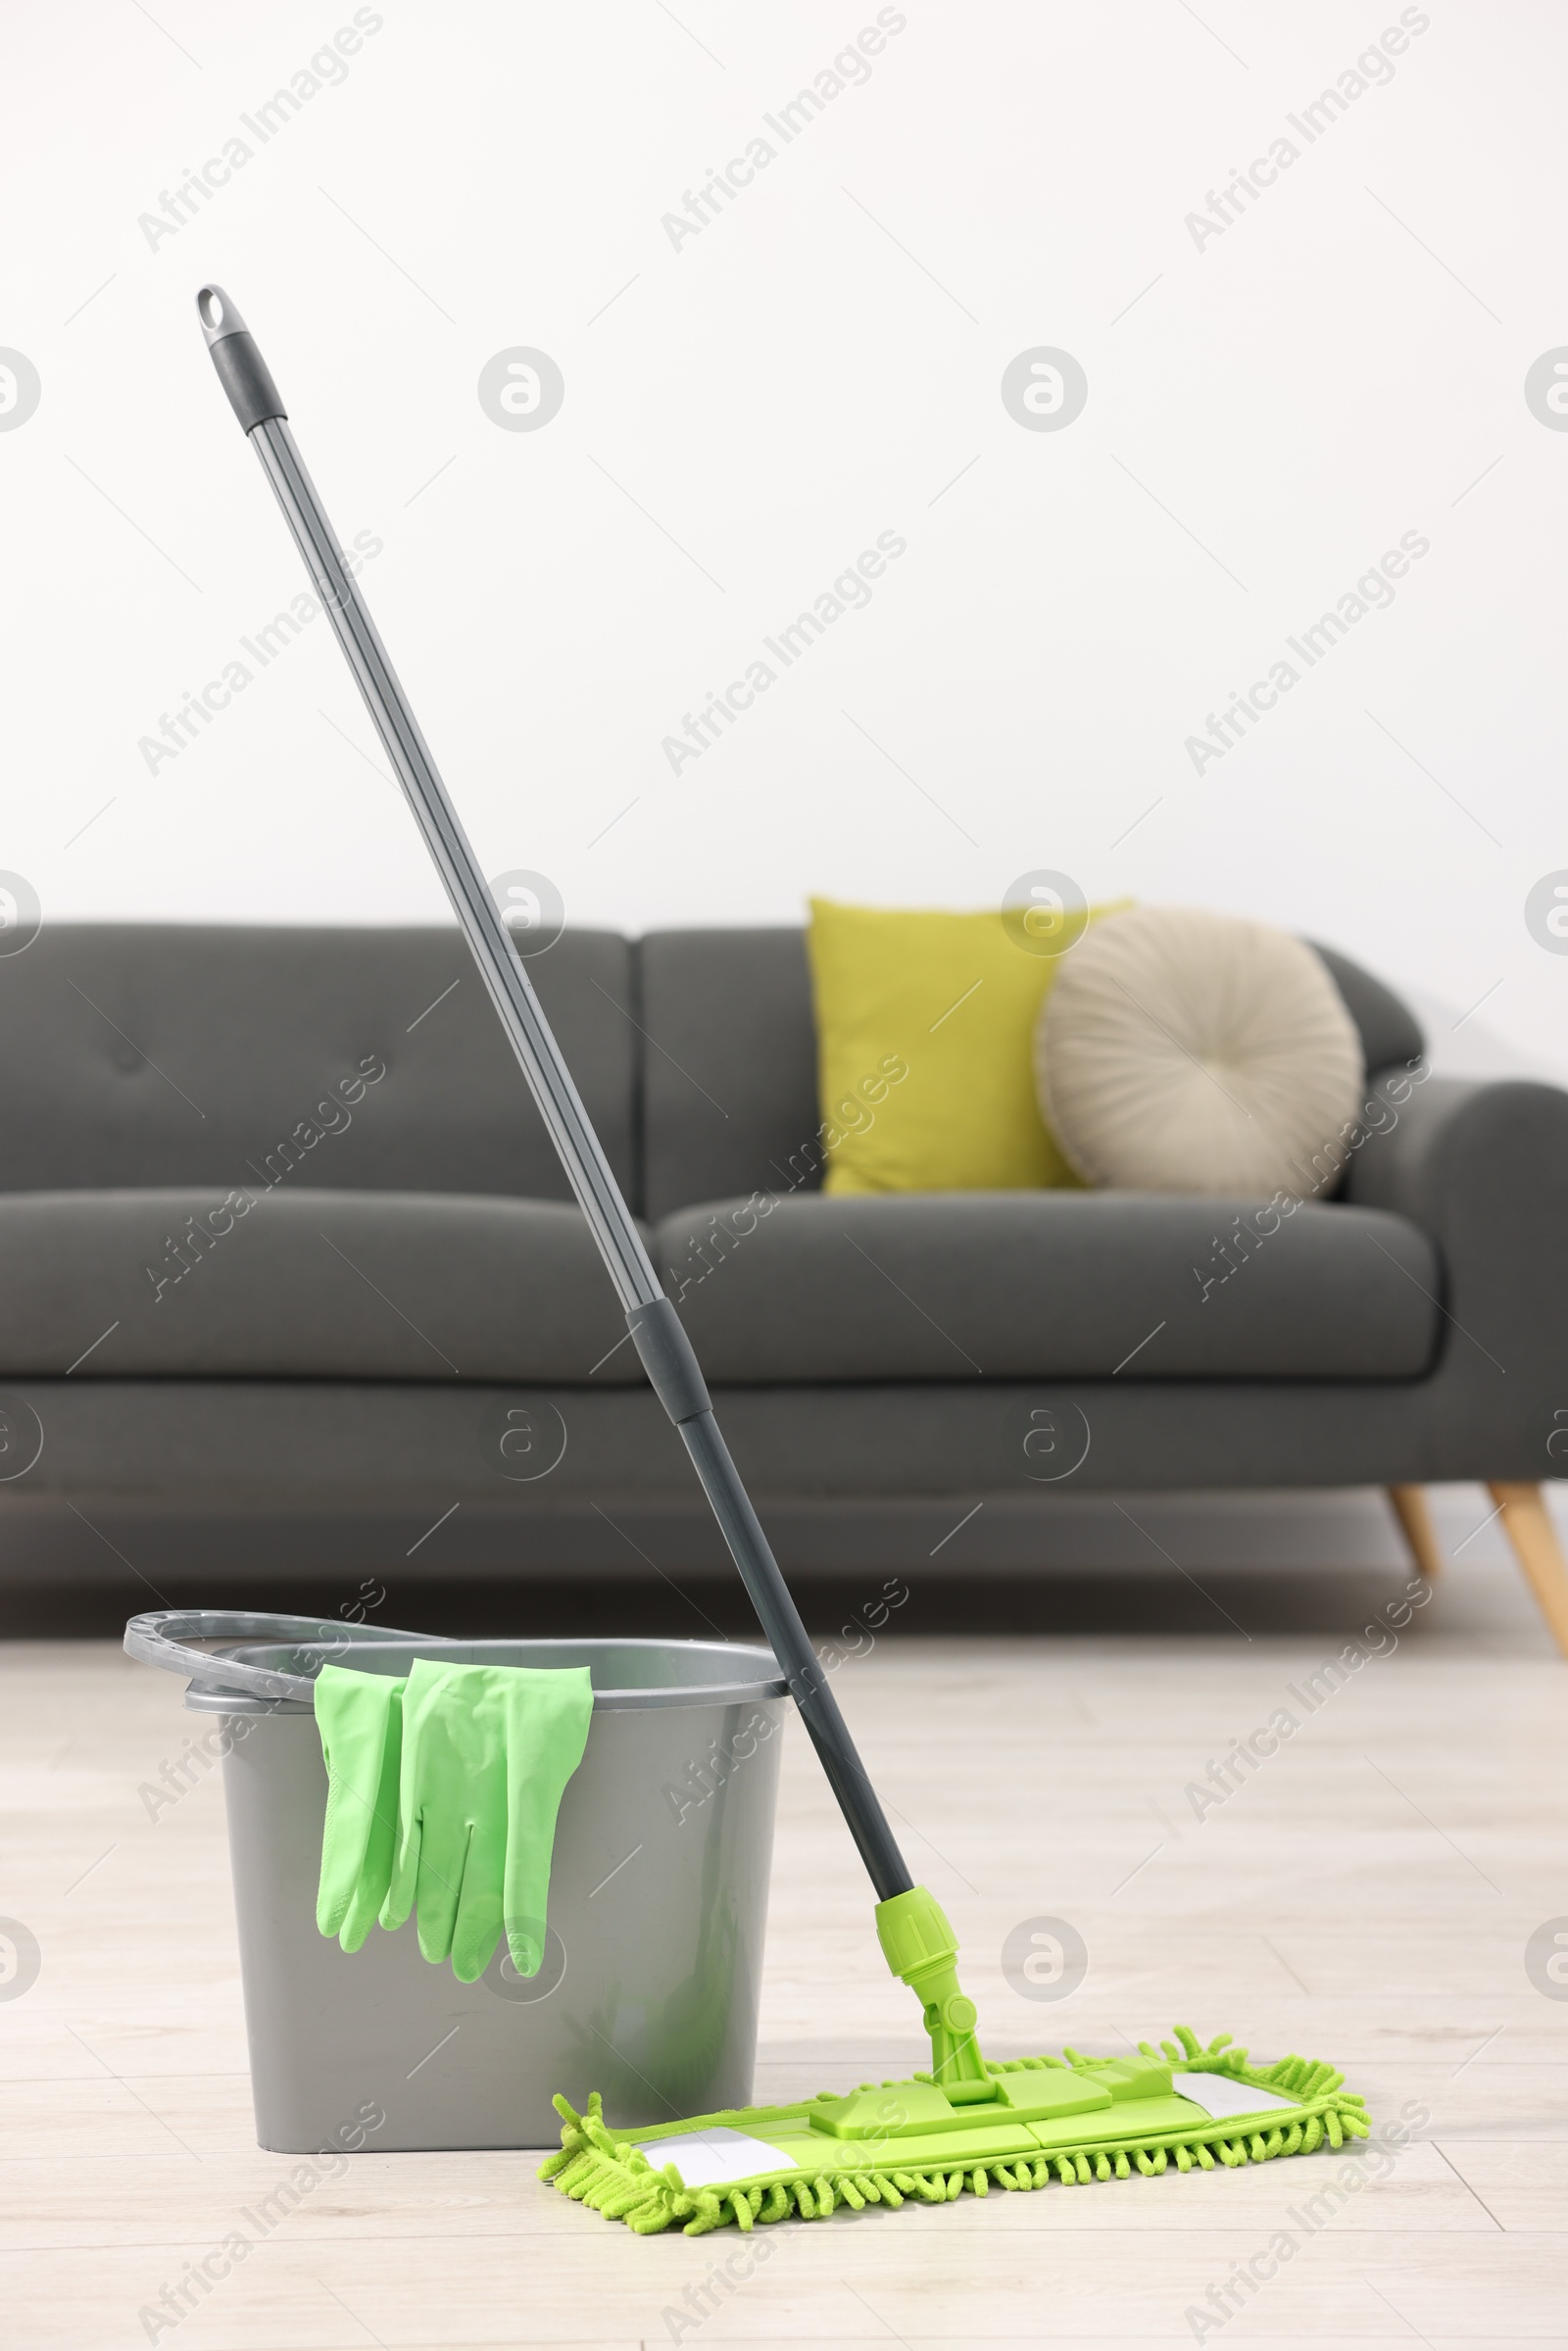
(657, 1903)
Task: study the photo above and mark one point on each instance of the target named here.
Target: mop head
(1071, 2119)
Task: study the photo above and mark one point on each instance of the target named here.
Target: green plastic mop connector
(919, 1944)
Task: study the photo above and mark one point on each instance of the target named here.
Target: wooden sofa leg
(1533, 1538)
(1415, 1519)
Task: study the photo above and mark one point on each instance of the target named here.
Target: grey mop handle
(662, 1343)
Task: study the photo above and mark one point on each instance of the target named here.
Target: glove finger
(421, 1826)
(361, 1914)
(357, 1913)
(525, 1944)
(526, 1895)
(440, 1890)
(380, 1845)
(359, 1718)
(479, 1926)
(340, 1878)
(345, 1835)
(476, 1939)
(404, 1876)
(548, 1736)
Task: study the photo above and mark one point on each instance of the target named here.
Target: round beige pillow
(1179, 1050)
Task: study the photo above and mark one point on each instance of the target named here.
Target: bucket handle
(159, 1637)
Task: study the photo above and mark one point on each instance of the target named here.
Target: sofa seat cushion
(304, 1284)
(1010, 1285)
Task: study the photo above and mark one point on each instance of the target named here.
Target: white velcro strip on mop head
(1221, 2094)
(716, 2158)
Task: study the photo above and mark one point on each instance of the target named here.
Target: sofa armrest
(1483, 1167)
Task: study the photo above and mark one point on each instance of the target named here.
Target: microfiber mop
(966, 2122)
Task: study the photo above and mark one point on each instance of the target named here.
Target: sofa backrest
(161, 1053)
(729, 1072)
(139, 1055)
(1390, 1030)
(729, 1066)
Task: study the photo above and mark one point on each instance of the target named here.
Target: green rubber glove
(359, 1717)
(487, 1751)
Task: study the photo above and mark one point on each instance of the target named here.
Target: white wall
(1335, 370)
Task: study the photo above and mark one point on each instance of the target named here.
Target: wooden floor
(1367, 1896)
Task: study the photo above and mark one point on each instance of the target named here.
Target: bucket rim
(161, 1638)
(767, 1679)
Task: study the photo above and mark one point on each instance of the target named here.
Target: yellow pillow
(925, 1029)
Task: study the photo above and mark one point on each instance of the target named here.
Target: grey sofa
(283, 1245)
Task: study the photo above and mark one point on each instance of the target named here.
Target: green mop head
(966, 2124)
(1071, 2119)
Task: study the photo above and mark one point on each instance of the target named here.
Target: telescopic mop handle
(661, 1342)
